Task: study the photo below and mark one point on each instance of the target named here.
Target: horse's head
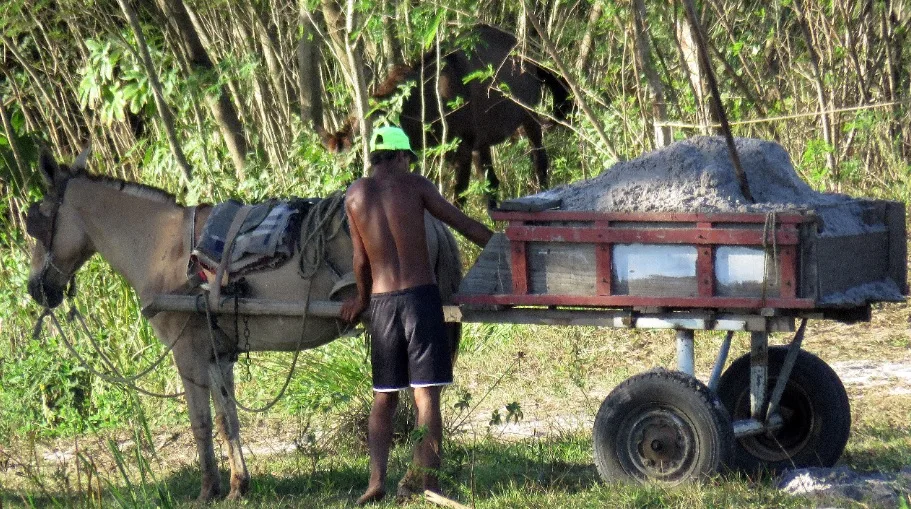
(61, 245)
(341, 140)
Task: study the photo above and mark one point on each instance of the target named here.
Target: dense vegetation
(219, 99)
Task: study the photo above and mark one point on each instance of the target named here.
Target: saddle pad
(265, 238)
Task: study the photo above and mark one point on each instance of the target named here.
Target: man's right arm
(363, 277)
(449, 214)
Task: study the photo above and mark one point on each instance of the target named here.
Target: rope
(116, 377)
(684, 125)
(312, 250)
(769, 227)
(313, 247)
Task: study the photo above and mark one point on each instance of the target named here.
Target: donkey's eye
(37, 223)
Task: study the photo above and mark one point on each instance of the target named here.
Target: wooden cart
(775, 408)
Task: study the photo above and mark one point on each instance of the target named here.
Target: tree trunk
(350, 56)
(167, 119)
(689, 56)
(655, 87)
(308, 63)
(222, 108)
(702, 50)
(392, 50)
(585, 46)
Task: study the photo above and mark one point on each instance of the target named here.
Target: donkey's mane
(131, 188)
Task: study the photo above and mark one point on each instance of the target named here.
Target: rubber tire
(647, 399)
(814, 406)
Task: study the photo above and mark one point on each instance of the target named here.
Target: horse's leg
(228, 425)
(462, 160)
(493, 183)
(539, 159)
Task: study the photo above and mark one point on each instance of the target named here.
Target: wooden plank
(787, 265)
(519, 267)
(604, 271)
(705, 271)
(898, 245)
(626, 319)
(852, 260)
(259, 307)
(530, 204)
(637, 301)
(567, 215)
(492, 271)
(560, 268)
(252, 307)
(647, 236)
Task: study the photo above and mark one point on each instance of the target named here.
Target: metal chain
(297, 351)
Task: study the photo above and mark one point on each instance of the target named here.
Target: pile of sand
(696, 175)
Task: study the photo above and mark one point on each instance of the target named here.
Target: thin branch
(166, 117)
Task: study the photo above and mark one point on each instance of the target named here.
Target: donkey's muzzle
(45, 294)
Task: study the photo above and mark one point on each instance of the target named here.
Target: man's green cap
(391, 138)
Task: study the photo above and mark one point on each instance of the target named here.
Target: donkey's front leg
(228, 425)
(196, 385)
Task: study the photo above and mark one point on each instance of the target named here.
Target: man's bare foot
(373, 494)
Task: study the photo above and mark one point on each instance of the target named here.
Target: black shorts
(409, 344)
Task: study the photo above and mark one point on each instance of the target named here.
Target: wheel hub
(661, 444)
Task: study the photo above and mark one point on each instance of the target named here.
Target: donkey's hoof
(240, 486)
(209, 491)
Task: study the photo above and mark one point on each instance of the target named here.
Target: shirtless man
(405, 316)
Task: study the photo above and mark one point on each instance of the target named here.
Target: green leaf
(431, 33)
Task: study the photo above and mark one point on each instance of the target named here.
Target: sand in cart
(696, 175)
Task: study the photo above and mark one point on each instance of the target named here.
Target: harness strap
(229, 246)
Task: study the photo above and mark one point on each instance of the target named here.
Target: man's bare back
(389, 217)
(386, 214)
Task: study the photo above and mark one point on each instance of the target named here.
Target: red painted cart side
(604, 230)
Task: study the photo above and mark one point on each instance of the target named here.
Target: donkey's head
(61, 245)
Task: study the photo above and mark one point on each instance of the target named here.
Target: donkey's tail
(448, 269)
(559, 87)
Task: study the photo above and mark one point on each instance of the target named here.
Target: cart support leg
(685, 352)
(759, 372)
(720, 361)
(786, 368)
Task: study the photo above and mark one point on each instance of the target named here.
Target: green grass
(483, 472)
(552, 379)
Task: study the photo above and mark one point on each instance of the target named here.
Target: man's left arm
(448, 213)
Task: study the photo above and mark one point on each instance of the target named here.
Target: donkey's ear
(82, 160)
(52, 173)
(49, 169)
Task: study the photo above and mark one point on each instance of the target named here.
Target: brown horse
(487, 94)
(147, 237)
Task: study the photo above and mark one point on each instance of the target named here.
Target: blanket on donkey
(265, 239)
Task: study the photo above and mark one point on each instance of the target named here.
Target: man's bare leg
(427, 452)
(379, 440)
